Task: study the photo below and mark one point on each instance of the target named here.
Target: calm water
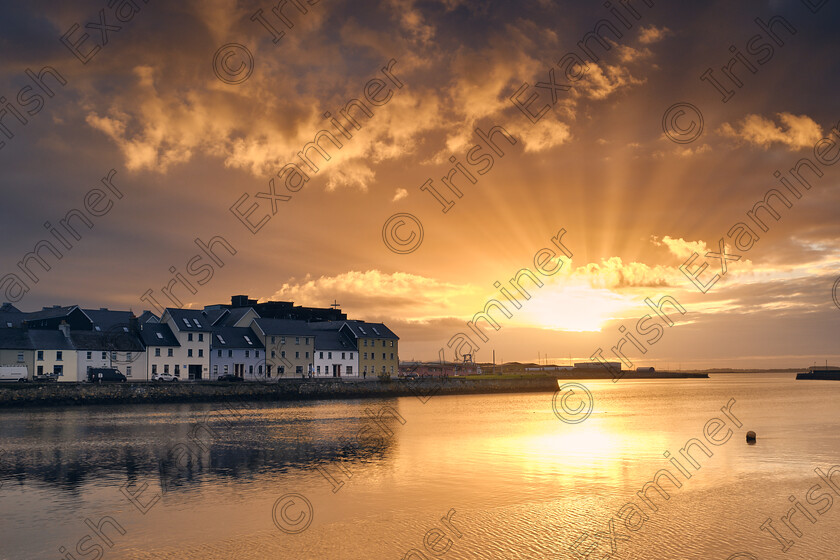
(521, 483)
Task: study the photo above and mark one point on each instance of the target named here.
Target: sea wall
(62, 394)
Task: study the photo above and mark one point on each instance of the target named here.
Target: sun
(575, 308)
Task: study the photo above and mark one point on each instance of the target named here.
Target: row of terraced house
(247, 339)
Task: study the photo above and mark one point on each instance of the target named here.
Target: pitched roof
(189, 319)
(214, 315)
(234, 337)
(15, 339)
(158, 334)
(284, 327)
(110, 341)
(148, 317)
(333, 340)
(107, 319)
(363, 329)
(49, 340)
(11, 319)
(9, 308)
(235, 314)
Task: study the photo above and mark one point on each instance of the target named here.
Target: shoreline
(28, 395)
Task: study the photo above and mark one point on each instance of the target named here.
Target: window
(260, 370)
(307, 355)
(189, 353)
(392, 370)
(365, 355)
(273, 354)
(365, 342)
(257, 354)
(306, 340)
(342, 355)
(196, 323)
(128, 371)
(318, 368)
(113, 356)
(166, 368)
(392, 344)
(219, 354)
(349, 370)
(321, 355)
(201, 352)
(392, 355)
(41, 355)
(58, 355)
(248, 340)
(362, 330)
(189, 337)
(186, 322)
(247, 353)
(226, 368)
(128, 356)
(383, 369)
(230, 353)
(215, 369)
(329, 355)
(251, 370)
(273, 341)
(96, 328)
(169, 352)
(297, 354)
(104, 355)
(40, 370)
(154, 369)
(383, 343)
(157, 352)
(351, 355)
(282, 353)
(282, 370)
(282, 340)
(376, 331)
(299, 369)
(200, 337)
(222, 340)
(159, 335)
(297, 340)
(268, 370)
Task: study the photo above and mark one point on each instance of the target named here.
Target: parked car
(229, 378)
(45, 377)
(14, 374)
(106, 375)
(411, 375)
(164, 377)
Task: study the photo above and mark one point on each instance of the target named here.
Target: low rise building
(335, 355)
(236, 351)
(289, 347)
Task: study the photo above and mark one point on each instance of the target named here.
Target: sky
(637, 135)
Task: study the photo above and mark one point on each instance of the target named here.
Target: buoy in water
(751, 437)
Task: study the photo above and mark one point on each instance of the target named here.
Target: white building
(192, 330)
(54, 353)
(335, 355)
(236, 351)
(118, 348)
(161, 345)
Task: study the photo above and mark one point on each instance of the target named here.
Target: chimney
(65, 329)
(133, 324)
